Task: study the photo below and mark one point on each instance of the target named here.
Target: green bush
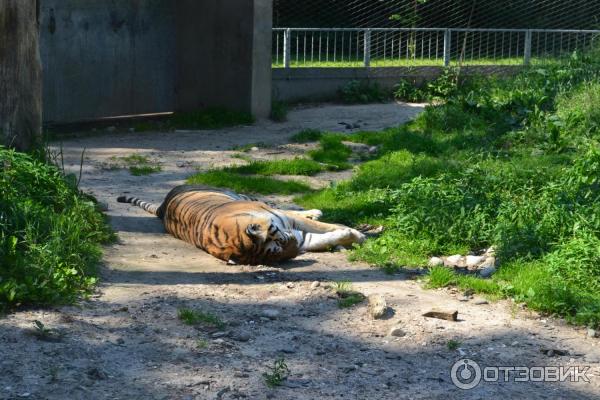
(50, 234)
(362, 92)
(512, 163)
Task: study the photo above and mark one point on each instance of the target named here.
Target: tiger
(240, 230)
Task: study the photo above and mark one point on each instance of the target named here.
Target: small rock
(373, 150)
(270, 313)
(439, 314)
(240, 375)
(474, 261)
(592, 333)
(241, 336)
(315, 285)
(454, 261)
(435, 262)
(464, 298)
(218, 335)
(480, 302)
(254, 148)
(377, 306)
(397, 332)
(288, 350)
(120, 341)
(290, 285)
(487, 272)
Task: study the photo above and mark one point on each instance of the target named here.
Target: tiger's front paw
(315, 215)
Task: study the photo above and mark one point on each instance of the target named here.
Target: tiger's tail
(149, 207)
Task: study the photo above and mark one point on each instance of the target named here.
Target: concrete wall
(107, 58)
(314, 84)
(104, 58)
(224, 54)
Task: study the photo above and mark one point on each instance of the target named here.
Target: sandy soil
(126, 342)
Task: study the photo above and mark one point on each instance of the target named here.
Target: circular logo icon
(465, 374)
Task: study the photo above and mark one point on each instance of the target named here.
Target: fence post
(287, 48)
(367, 48)
(527, 53)
(447, 47)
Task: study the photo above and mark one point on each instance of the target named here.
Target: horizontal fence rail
(392, 47)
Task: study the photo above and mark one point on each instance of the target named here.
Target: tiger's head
(265, 243)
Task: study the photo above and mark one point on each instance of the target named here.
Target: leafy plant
(195, 317)
(362, 92)
(279, 111)
(347, 296)
(307, 135)
(278, 373)
(50, 234)
(453, 344)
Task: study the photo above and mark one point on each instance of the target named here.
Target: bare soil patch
(126, 341)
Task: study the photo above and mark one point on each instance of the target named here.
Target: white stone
(473, 261)
(454, 260)
(435, 262)
(315, 285)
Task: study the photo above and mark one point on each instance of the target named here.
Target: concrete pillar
(224, 55)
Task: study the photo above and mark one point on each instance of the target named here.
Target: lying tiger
(238, 230)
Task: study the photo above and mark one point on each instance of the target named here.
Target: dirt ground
(126, 342)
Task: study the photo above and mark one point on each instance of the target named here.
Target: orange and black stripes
(219, 222)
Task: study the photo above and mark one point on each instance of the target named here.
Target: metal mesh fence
(337, 33)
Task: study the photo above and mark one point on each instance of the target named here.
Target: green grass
(248, 183)
(348, 297)
(307, 136)
(277, 373)
(137, 164)
(453, 344)
(297, 166)
(279, 111)
(403, 62)
(195, 317)
(209, 118)
(510, 162)
(50, 234)
(332, 151)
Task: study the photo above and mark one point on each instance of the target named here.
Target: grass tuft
(307, 135)
(50, 234)
(195, 317)
(248, 184)
(277, 373)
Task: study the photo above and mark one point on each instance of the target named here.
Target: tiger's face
(273, 243)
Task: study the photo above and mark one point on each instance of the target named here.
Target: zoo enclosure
(391, 47)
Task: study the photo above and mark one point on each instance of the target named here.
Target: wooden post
(20, 75)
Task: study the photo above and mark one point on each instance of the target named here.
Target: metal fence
(392, 47)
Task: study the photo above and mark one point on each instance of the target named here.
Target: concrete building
(124, 57)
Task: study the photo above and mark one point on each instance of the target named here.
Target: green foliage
(347, 296)
(453, 344)
(307, 135)
(50, 234)
(362, 92)
(332, 151)
(278, 373)
(248, 184)
(137, 164)
(279, 111)
(297, 166)
(195, 317)
(210, 118)
(406, 90)
(509, 162)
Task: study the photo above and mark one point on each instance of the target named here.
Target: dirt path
(127, 342)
